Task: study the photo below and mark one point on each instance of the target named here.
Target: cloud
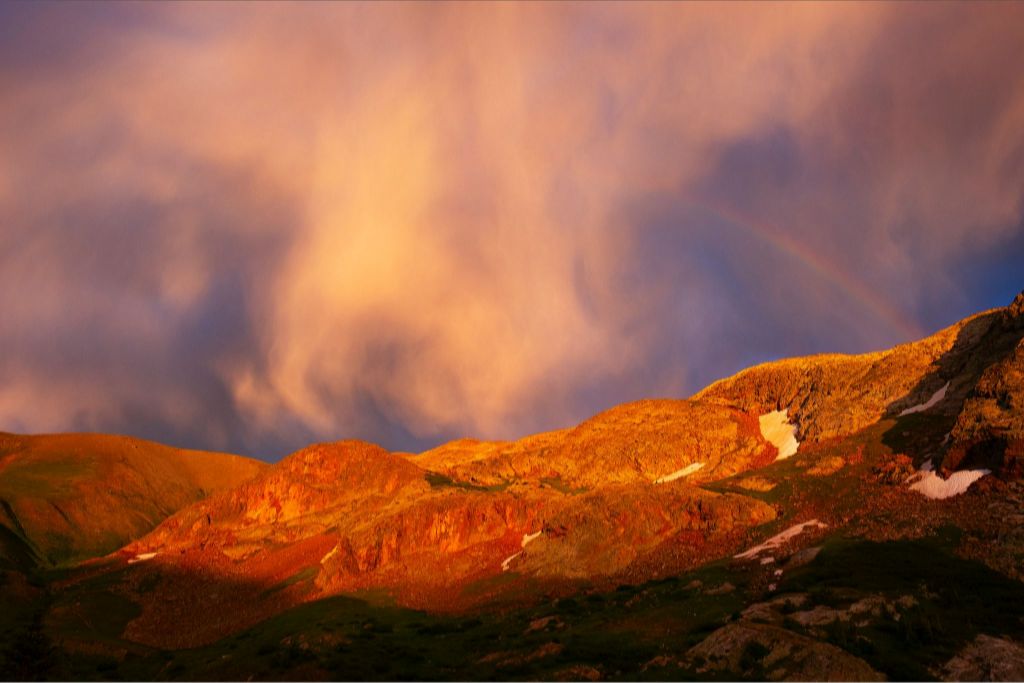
(248, 230)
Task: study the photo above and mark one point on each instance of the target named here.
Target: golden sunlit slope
(348, 516)
(967, 379)
(643, 441)
(68, 497)
(832, 395)
(641, 491)
(716, 432)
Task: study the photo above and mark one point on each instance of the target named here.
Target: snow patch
(685, 472)
(527, 539)
(767, 560)
(935, 487)
(921, 407)
(778, 539)
(780, 432)
(331, 553)
(507, 560)
(142, 557)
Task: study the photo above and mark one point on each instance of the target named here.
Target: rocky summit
(830, 518)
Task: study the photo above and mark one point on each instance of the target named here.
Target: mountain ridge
(757, 480)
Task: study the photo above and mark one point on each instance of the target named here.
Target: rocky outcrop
(986, 658)
(971, 375)
(989, 431)
(835, 395)
(634, 442)
(350, 516)
(762, 651)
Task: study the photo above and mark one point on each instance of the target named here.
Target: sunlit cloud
(247, 228)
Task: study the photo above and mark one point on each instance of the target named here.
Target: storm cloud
(250, 227)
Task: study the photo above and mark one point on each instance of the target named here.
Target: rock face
(310, 488)
(634, 442)
(350, 516)
(72, 496)
(831, 396)
(834, 395)
(970, 376)
(989, 430)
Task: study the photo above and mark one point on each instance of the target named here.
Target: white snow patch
(331, 553)
(142, 557)
(686, 471)
(780, 432)
(507, 560)
(527, 539)
(778, 572)
(767, 560)
(778, 539)
(920, 407)
(933, 486)
(772, 586)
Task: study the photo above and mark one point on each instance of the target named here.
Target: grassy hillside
(68, 497)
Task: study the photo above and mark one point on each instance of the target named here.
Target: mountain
(829, 517)
(349, 516)
(70, 497)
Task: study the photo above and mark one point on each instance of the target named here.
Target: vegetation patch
(438, 480)
(561, 486)
(954, 600)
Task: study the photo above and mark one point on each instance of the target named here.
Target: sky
(248, 227)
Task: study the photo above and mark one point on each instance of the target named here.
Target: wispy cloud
(250, 228)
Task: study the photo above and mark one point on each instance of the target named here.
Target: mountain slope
(951, 371)
(350, 516)
(634, 442)
(69, 497)
(822, 517)
(835, 395)
(638, 492)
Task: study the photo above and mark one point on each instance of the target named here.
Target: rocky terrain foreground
(822, 518)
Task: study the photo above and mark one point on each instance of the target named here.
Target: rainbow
(823, 267)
